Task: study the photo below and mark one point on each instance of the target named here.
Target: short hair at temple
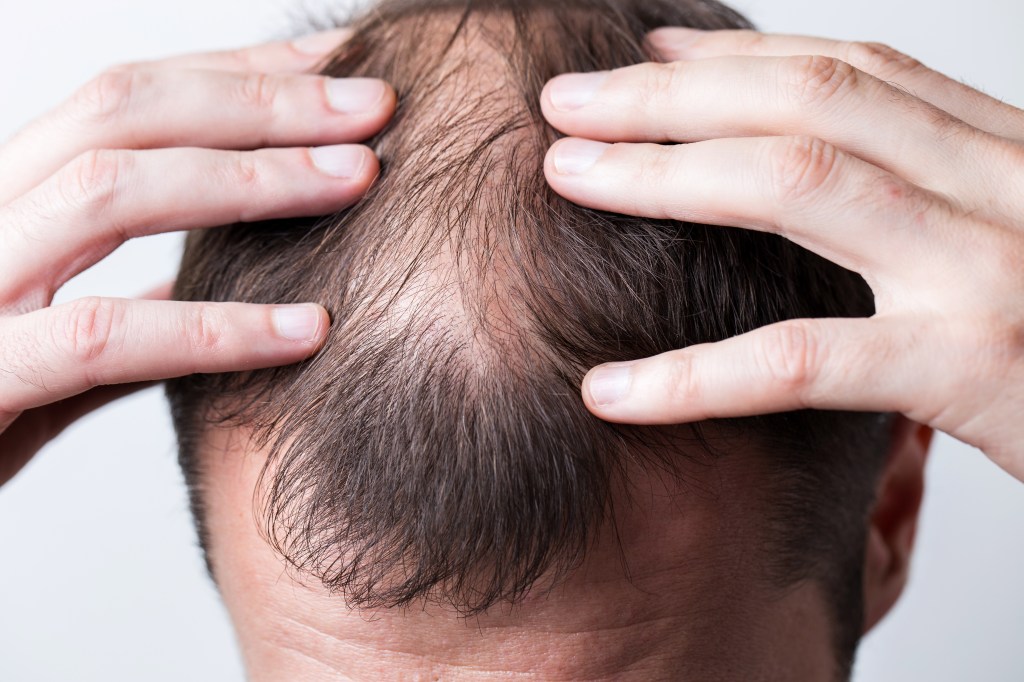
(437, 448)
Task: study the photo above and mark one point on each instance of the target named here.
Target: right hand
(155, 147)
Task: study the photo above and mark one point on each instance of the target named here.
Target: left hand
(858, 153)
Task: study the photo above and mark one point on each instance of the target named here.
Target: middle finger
(757, 96)
(802, 188)
(140, 109)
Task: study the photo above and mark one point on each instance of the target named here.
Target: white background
(100, 578)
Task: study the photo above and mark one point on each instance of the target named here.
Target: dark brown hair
(437, 448)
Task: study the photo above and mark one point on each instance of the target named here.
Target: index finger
(284, 56)
(881, 61)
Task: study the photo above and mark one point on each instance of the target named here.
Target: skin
(694, 604)
(113, 163)
(860, 154)
(901, 165)
(931, 175)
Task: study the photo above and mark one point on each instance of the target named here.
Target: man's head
(437, 450)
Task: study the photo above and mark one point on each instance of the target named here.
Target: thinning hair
(437, 448)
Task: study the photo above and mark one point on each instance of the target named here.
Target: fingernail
(610, 384)
(297, 322)
(574, 156)
(322, 42)
(355, 95)
(339, 160)
(575, 90)
(674, 38)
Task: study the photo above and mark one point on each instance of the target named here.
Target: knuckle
(816, 81)
(244, 60)
(916, 209)
(652, 90)
(801, 167)
(748, 41)
(85, 331)
(654, 166)
(93, 180)
(244, 172)
(106, 97)
(660, 84)
(881, 60)
(258, 91)
(791, 355)
(204, 328)
(681, 379)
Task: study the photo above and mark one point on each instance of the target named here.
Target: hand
(860, 154)
(150, 148)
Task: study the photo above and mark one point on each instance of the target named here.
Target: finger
(31, 430)
(62, 351)
(104, 198)
(141, 109)
(818, 96)
(881, 61)
(823, 364)
(285, 56)
(23, 435)
(793, 186)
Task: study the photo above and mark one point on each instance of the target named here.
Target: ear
(893, 521)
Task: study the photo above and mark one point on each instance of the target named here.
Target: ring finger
(786, 185)
(103, 198)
